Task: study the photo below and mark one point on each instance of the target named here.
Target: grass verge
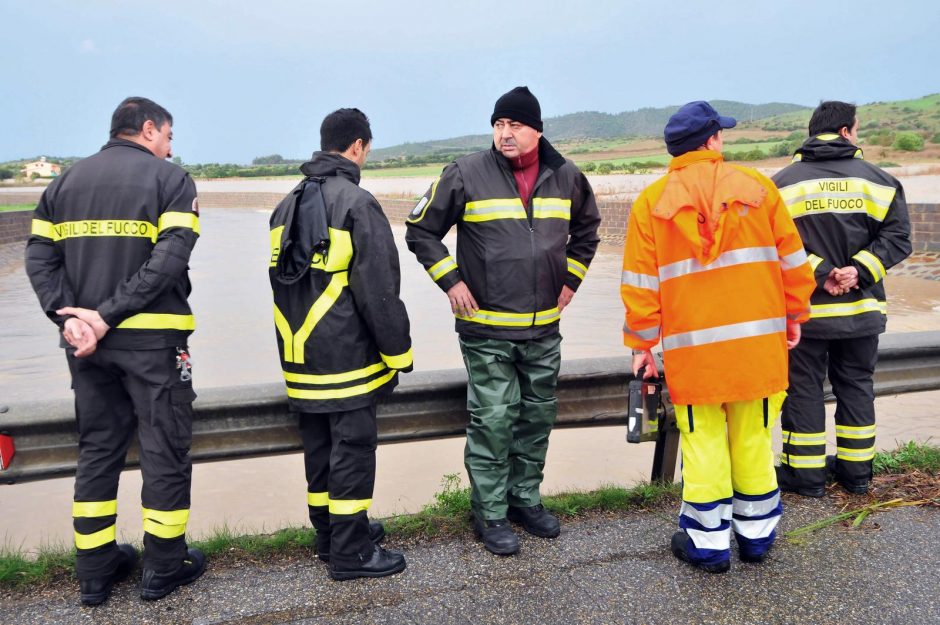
(10, 208)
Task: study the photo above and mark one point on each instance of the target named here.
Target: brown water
(234, 344)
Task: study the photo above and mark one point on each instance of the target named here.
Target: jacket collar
(826, 147)
(548, 156)
(331, 164)
(114, 143)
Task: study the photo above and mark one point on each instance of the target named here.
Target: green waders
(511, 399)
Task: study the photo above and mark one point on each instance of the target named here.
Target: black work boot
(376, 535)
(536, 520)
(497, 536)
(786, 484)
(857, 487)
(679, 546)
(382, 563)
(154, 585)
(96, 591)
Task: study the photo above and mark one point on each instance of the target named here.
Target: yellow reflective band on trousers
(158, 321)
(349, 506)
(576, 268)
(165, 523)
(872, 263)
(334, 378)
(803, 462)
(91, 509)
(855, 455)
(294, 343)
(401, 361)
(820, 311)
(441, 268)
(101, 537)
(95, 228)
(318, 500)
(803, 438)
(275, 244)
(513, 320)
(855, 431)
(838, 196)
(340, 393)
(174, 219)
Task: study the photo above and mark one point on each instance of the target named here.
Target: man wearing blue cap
(714, 267)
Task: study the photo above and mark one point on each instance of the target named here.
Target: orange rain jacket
(713, 265)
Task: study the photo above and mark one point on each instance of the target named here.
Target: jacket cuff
(449, 279)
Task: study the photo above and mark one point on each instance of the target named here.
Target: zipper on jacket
(766, 410)
(688, 412)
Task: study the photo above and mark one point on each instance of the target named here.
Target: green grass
(10, 208)
(405, 172)
(908, 457)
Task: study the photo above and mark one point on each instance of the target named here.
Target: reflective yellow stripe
(318, 499)
(417, 213)
(872, 263)
(340, 393)
(103, 228)
(493, 318)
(441, 268)
(400, 361)
(814, 261)
(101, 537)
(158, 321)
(167, 517)
(334, 378)
(43, 229)
(294, 343)
(283, 328)
(551, 208)
(804, 462)
(855, 455)
(91, 509)
(163, 531)
(827, 136)
(801, 438)
(856, 432)
(275, 244)
(838, 195)
(488, 210)
(577, 268)
(819, 311)
(349, 506)
(338, 256)
(174, 219)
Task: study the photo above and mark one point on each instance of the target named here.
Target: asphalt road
(601, 570)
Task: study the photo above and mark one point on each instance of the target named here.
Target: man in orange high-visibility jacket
(713, 265)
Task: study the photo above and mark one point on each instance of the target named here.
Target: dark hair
(342, 127)
(831, 116)
(131, 115)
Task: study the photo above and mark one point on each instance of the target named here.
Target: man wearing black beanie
(528, 231)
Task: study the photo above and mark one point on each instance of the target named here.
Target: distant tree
(589, 167)
(273, 159)
(605, 168)
(177, 160)
(909, 142)
(6, 173)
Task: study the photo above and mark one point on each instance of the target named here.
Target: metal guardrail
(254, 421)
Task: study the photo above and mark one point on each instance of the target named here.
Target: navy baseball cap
(691, 126)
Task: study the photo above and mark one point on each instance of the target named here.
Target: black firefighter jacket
(342, 331)
(114, 233)
(848, 213)
(514, 259)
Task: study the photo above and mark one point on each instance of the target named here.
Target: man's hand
(832, 285)
(461, 300)
(565, 298)
(645, 360)
(91, 317)
(793, 334)
(847, 277)
(81, 336)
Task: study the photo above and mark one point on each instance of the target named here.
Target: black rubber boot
(376, 535)
(679, 545)
(382, 563)
(497, 536)
(155, 585)
(536, 520)
(96, 591)
(785, 484)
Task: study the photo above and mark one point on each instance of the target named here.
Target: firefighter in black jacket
(107, 257)
(853, 220)
(527, 231)
(343, 336)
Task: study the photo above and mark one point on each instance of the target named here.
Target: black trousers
(850, 364)
(116, 393)
(339, 458)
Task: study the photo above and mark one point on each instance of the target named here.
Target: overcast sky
(250, 78)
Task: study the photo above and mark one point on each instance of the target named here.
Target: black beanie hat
(519, 105)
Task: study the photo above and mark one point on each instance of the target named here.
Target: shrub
(588, 167)
(935, 138)
(909, 142)
(605, 168)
